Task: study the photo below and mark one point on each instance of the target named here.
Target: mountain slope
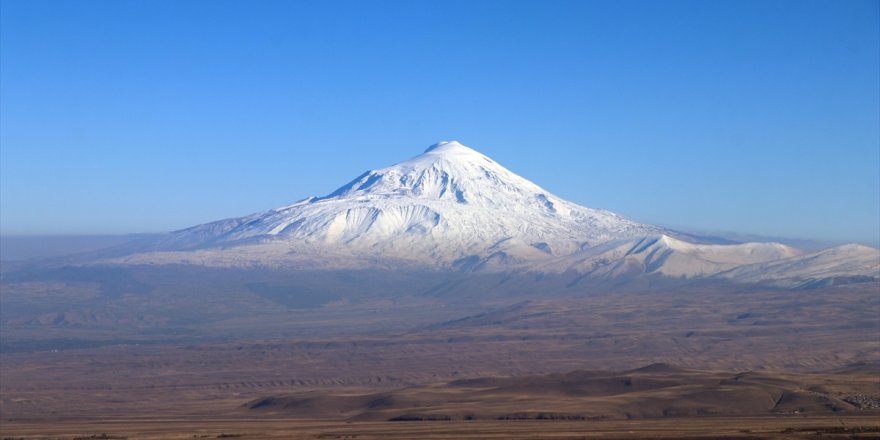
(665, 255)
(452, 208)
(838, 265)
(447, 207)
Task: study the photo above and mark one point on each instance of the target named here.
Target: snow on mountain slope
(667, 256)
(837, 265)
(454, 208)
(446, 207)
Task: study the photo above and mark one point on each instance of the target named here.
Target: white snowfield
(454, 208)
(671, 257)
(846, 261)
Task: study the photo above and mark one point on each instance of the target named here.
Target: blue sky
(757, 117)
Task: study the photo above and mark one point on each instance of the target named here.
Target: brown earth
(775, 352)
(654, 391)
(698, 428)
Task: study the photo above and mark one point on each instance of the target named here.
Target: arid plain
(688, 361)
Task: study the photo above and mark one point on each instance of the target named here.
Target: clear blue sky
(749, 116)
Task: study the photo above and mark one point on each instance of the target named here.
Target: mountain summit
(451, 208)
(448, 205)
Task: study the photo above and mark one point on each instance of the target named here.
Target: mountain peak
(451, 150)
(451, 153)
(448, 147)
(448, 203)
(447, 170)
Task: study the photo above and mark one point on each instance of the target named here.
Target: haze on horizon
(754, 117)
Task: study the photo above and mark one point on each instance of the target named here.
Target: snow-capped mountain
(452, 208)
(444, 207)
